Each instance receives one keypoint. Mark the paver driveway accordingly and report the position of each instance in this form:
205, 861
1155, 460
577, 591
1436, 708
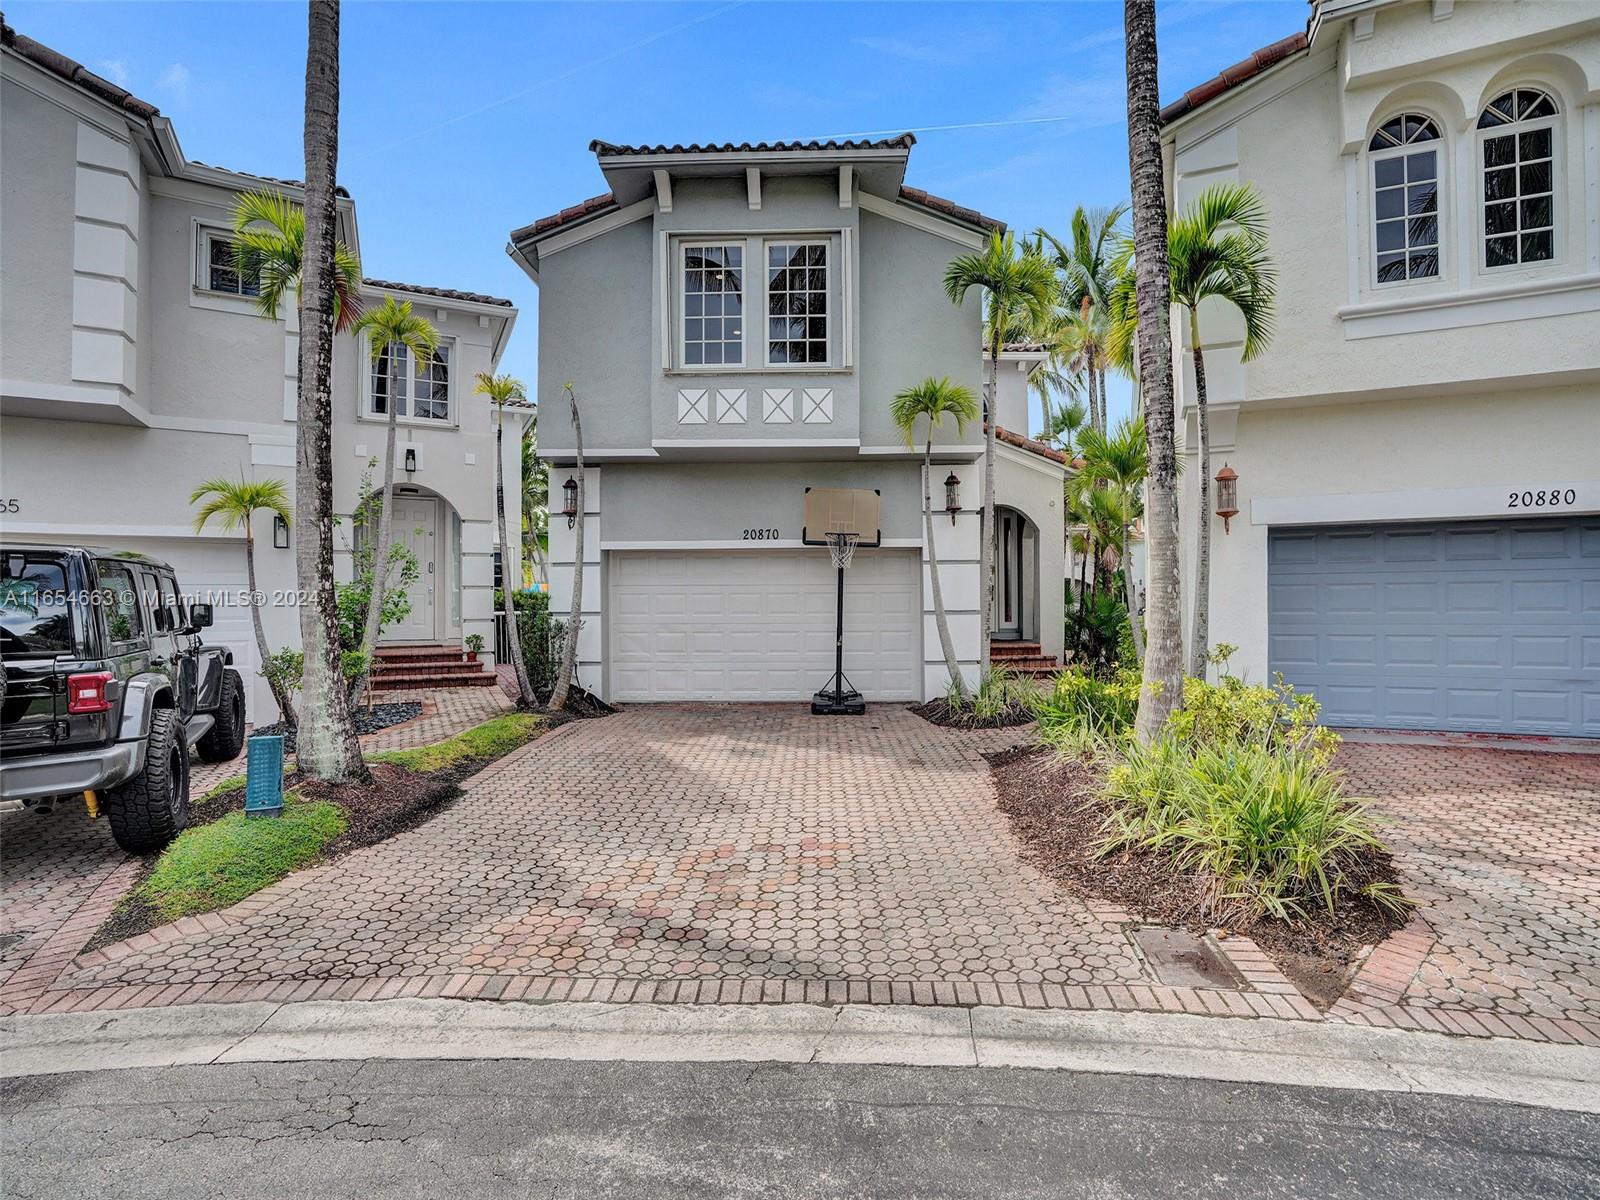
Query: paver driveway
731, 841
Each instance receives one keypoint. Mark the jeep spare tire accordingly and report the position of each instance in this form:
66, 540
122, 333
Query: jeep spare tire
150, 809
223, 741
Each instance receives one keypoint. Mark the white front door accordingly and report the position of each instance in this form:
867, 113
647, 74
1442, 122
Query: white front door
416, 527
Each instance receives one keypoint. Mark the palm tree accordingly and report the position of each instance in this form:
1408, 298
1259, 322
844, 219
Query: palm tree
569, 643
1118, 462
1017, 290
235, 504
535, 501
392, 330
1086, 275
326, 747
935, 399
269, 238
504, 390
1163, 661
1233, 267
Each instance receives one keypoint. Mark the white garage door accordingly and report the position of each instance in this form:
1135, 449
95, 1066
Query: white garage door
759, 624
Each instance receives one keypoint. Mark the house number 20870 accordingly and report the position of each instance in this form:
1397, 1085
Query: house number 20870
760, 535
1541, 499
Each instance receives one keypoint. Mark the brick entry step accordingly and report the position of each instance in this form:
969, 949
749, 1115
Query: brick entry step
404, 668
1022, 658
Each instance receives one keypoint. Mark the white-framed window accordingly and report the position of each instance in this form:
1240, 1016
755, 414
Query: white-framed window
797, 302
713, 304
1516, 144
1405, 154
423, 393
219, 271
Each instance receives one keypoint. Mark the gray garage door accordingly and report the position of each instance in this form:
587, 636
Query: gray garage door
1473, 626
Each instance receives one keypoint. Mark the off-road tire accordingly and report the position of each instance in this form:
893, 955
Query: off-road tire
151, 809
223, 741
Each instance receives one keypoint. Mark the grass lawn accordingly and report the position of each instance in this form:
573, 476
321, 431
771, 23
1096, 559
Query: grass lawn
492, 739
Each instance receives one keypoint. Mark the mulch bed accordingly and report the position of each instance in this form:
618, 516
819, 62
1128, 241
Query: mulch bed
942, 712
367, 720
1055, 808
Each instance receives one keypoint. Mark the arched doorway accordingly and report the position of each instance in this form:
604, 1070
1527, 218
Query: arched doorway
1016, 593
429, 527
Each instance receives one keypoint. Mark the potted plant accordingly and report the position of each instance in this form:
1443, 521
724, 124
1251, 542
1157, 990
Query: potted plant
475, 646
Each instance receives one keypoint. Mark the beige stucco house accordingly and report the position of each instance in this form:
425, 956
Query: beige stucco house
735, 321
1418, 452
135, 365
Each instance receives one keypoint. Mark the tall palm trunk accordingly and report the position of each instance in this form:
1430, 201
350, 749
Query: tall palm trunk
1094, 401
986, 546
939, 619
1200, 633
1105, 417
380, 559
326, 746
279, 696
1163, 662
525, 695
569, 645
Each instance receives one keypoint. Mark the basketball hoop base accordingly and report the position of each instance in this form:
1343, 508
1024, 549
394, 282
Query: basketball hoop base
838, 704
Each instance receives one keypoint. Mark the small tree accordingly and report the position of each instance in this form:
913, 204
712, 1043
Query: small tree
1016, 287
535, 502
1118, 462
234, 504
569, 643
504, 390
393, 330
269, 245
933, 400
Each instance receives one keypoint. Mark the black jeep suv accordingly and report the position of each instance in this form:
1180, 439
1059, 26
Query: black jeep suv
107, 687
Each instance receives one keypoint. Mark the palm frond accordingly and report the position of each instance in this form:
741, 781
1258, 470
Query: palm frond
933, 399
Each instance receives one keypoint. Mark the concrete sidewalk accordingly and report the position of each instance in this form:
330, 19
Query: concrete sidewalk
1181, 1046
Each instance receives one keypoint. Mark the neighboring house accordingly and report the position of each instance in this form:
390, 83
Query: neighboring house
1418, 452
135, 365
735, 321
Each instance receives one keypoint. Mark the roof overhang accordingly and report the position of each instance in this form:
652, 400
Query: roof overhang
879, 170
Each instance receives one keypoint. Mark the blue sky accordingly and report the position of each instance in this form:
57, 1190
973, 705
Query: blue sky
462, 121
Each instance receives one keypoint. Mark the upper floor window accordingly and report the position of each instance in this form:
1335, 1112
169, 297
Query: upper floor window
424, 387
713, 305
220, 270
1517, 132
797, 302
1405, 189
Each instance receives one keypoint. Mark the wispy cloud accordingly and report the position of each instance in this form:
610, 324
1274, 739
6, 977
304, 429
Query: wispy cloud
175, 81
115, 70
939, 54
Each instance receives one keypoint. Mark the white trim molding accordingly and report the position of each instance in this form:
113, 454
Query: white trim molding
1430, 504
928, 222
1522, 301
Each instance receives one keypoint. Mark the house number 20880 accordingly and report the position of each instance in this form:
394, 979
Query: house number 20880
1541, 499
760, 535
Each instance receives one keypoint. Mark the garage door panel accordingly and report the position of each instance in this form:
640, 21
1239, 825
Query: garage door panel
1488, 631
759, 624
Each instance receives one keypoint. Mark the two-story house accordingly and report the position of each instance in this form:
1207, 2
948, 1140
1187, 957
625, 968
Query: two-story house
136, 365
735, 322
1417, 537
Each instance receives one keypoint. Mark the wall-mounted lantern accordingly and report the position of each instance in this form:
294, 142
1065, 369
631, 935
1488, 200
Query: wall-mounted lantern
569, 501
280, 533
411, 460
952, 496
1227, 495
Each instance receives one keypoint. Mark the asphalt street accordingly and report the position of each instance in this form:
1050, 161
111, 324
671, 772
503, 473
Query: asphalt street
393, 1128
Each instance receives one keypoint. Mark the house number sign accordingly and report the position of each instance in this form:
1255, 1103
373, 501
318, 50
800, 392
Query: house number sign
761, 535
1542, 498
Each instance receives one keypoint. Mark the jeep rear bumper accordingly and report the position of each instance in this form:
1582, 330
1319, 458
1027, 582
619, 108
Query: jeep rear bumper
29, 778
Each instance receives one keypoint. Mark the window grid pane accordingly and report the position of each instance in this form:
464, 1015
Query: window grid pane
797, 302
1518, 196
222, 271
1406, 211
432, 386
713, 305
380, 383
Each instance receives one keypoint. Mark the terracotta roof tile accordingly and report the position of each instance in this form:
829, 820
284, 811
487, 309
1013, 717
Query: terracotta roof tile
1249, 68
949, 208
609, 150
1029, 444
442, 293
75, 72
579, 211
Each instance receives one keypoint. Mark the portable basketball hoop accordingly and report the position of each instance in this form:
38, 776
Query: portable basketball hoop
840, 519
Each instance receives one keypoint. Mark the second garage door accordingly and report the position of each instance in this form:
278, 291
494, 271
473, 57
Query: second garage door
758, 624
1489, 626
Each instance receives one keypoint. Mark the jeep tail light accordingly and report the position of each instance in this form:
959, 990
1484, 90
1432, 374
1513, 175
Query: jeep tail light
89, 692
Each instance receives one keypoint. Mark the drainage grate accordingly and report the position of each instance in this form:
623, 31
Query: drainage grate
1182, 959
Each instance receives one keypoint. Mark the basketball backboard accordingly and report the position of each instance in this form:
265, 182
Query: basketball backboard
842, 510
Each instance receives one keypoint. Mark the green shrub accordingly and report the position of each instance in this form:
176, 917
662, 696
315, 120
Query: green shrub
1000, 694
1231, 711
1266, 823
541, 636
1081, 711
1097, 632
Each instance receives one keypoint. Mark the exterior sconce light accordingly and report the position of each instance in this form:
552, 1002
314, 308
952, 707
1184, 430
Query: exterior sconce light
280, 533
1227, 495
411, 460
952, 496
569, 501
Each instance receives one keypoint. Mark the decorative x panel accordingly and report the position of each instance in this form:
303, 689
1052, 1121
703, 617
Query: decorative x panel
692, 406
777, 406
817, 406
730, 407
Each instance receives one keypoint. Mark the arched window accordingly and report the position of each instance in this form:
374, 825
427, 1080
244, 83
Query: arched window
1517, 131
1405, 191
